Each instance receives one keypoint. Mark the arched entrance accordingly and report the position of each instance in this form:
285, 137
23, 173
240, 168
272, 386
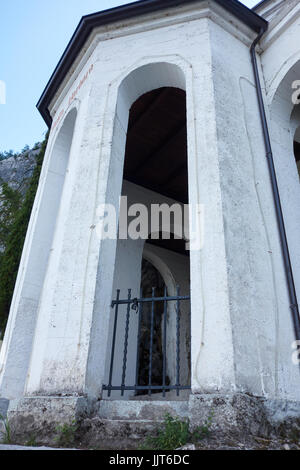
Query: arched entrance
26, 313
151, 348
285, 125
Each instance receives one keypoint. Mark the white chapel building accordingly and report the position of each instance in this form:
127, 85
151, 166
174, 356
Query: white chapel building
186, 102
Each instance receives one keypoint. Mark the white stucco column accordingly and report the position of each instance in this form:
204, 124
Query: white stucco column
62, 336
211, 327
17, 345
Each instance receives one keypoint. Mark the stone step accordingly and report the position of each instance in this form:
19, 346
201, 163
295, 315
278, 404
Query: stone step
141, 410
125, 424
110, 434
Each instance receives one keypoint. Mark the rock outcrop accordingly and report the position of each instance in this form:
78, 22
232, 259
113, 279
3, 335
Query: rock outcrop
17, 171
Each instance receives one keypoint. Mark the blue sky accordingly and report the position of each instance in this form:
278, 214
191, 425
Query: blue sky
33, 36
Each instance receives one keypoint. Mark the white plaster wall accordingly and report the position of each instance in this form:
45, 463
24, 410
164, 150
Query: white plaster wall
261, 320
280, 65
250, 272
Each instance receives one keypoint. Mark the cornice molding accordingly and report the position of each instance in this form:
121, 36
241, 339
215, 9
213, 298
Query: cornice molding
121, 14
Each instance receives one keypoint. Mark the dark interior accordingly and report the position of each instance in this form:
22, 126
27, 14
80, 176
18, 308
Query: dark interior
173, 244
297, 154
156, 150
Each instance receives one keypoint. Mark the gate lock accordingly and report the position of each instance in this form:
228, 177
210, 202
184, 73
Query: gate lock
135, 304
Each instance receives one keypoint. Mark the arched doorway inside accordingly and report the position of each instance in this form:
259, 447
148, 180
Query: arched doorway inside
151, 279
164, 272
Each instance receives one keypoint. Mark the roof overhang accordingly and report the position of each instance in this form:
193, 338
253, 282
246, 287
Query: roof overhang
260, 4
89, 22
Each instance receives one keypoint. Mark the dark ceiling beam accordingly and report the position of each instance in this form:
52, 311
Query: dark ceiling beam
155, 102
172, 244
162, 147
157, 188
174, 174
297, 150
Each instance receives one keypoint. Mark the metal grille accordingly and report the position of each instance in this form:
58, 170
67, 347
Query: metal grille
136, 305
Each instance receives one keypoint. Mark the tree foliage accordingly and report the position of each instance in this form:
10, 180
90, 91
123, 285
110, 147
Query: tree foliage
15, 215
7, 154
10, 153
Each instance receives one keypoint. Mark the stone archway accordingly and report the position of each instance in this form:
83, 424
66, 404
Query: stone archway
15, 360
155, 172
284, 125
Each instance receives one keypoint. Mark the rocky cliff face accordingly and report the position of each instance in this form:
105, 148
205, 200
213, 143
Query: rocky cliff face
16, 171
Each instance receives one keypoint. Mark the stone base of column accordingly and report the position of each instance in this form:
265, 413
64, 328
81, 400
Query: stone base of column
242, 415
46, 418
78, 421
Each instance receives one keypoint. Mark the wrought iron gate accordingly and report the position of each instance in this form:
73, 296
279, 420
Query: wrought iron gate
137, 306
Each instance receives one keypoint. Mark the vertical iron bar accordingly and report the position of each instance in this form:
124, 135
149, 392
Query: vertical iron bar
178, 339
138, 340
126, 343
113, 343
165, 344
151, 341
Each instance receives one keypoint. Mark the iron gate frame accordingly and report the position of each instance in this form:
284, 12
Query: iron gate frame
137, 305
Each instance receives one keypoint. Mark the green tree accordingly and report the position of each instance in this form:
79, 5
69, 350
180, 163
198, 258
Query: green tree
9, 154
